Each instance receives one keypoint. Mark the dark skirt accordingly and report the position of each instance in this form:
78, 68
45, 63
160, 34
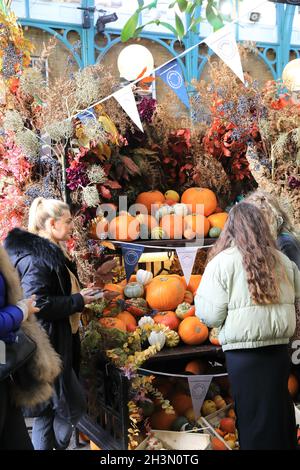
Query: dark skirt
264, 408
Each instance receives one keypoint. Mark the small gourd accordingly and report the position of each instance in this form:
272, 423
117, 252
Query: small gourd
181, 209
144, 277
157, 338
133, 290
145, 321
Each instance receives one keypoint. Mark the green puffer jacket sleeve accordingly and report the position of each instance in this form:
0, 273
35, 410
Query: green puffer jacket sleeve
211, 300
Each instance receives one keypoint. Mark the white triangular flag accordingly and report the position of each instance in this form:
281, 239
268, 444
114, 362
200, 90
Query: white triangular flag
126, 99
223, 43
199, 385
186, 258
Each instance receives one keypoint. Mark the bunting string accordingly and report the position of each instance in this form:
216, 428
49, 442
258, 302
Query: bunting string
168, 248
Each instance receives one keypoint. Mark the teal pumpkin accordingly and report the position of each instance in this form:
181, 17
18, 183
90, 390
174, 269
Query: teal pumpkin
133, 290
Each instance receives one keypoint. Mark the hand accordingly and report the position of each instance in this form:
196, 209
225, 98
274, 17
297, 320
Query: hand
88, 298
30, 303
110, 295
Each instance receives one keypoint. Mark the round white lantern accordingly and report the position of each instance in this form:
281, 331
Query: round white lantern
291, 75
133, 60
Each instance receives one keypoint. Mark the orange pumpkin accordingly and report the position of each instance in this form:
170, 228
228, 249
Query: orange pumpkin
201, 200
110, 322
195, 280
181, 278
162, 420
124, 227
293, 385
165, 293
192, 331
98, 228
218, 220
150, 198
173, 226
196, 367
168, 319
196, 225
188, 297
217, 444
115, 288
181, 402
213, 337
128, 319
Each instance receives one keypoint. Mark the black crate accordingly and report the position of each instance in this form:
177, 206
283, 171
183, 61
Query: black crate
107, 422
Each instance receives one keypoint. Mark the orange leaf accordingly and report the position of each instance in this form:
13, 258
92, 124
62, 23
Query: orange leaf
147, 80
142, 73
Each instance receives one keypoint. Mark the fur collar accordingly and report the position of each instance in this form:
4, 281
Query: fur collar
20, 243
13, 286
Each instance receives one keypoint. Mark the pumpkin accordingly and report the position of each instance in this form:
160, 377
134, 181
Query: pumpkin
165, 293
157, 338
208, 407
162, 211
168, 319
124, 227
181, 279
147, 223
192, 331
227, 425
293, 385
171, 194
162, 420
196, 225
134, 290
180, 209
214, 232
138, 307
217, 444
197, 367
188, 297
219, 401
213, 336
109, 322
194, 282
185, 310
181, 402
115, 288
218, 220
98, 228
128, 319
144, 277
173, 226
200, 200
150, 198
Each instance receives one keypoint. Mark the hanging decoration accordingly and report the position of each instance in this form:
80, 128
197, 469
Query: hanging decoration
172, 75
131, 256
126, 99
187, 256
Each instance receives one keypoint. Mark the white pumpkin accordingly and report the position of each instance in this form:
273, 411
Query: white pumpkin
145, 321
157, 338
180, 209
133, 290
163, 210
144, 277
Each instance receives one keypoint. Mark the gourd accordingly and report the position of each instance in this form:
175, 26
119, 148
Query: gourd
133, 290
145, 321
157, 338
185, 310
144, 277
180, 209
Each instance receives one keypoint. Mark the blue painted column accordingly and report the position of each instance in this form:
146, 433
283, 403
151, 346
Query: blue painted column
88, 37
191, 58
284, 20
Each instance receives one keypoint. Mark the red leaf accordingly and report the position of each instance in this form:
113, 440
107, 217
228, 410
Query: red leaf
113, 184
105, 192
131, 166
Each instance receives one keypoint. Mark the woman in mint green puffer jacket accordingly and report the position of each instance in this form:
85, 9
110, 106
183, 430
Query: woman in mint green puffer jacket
249, 290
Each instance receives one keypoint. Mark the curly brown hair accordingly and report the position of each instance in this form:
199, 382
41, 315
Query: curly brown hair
247, 229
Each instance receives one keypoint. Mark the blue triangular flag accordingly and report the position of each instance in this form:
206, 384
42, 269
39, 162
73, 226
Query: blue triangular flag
131, 255
171, 74
86, 115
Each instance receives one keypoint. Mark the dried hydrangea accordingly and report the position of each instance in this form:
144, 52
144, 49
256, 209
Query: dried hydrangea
93, 130
29, 144
13, 121
96, 174
87, 86
11, 58
90, 196
60, 130
32, 81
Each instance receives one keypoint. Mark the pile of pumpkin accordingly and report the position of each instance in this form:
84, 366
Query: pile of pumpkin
166, 300
165, 216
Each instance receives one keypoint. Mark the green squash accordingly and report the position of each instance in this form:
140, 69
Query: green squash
214, 232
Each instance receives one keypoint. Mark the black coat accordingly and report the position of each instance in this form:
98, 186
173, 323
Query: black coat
42, 268
290, 246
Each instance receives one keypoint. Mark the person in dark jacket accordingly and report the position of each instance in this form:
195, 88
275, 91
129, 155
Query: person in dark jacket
46, 272
13, 312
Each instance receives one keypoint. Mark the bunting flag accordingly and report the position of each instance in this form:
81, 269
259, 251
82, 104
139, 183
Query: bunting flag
171, 74
86, 115
186, 258
199, 385
131, 256
223, 43
126, 99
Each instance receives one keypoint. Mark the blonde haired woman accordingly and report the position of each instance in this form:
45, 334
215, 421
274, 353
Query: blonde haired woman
46, 272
